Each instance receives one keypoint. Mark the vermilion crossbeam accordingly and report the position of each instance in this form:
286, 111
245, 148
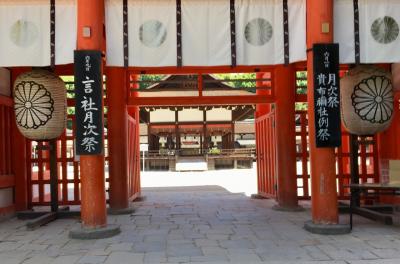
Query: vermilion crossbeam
200, 100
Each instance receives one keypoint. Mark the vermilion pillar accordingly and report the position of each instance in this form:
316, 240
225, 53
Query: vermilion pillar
93, 205
323, 174
284, 88
117, 138
18, 158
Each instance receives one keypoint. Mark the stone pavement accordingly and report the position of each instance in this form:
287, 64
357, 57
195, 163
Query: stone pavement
201, 224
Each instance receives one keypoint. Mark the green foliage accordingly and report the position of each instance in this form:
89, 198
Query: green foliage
214, 151
234, 80
301, 82
148, 80
301, 106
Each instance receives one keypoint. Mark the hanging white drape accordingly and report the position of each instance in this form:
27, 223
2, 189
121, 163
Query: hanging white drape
151, 31
25, 32
379, 31
66, 27
206, 36
344, 30
379, 22
297, 30
259, 32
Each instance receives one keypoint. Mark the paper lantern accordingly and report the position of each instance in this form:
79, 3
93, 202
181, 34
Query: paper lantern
40, 104
366, 100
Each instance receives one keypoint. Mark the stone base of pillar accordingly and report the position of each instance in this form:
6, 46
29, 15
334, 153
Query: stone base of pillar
123, 211
258, 196
325, 229
140, 198
280, 208
95, 233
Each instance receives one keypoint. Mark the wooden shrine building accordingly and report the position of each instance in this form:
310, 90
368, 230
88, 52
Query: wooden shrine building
205, 135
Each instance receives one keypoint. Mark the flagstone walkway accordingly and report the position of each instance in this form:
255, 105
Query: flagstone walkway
201, 224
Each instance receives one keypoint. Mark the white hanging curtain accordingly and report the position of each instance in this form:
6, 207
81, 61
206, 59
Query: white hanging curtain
151, 31
66, 27
379, 31
206, 32
297, 30
259, 32
379, 22
344, 30
206, 37
114, 33
25, 31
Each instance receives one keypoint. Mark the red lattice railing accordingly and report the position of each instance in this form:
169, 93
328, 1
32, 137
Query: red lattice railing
266, 154
368, 160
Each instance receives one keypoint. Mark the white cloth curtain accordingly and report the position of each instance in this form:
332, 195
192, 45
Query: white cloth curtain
297, 30
25, 31
66, 31
379, 31
152, 32
344, 30
206, 39
259, 32
379, 22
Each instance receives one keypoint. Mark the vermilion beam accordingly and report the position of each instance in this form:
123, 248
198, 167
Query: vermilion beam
200, 100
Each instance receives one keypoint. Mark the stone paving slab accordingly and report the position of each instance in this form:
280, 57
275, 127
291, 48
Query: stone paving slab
202, 225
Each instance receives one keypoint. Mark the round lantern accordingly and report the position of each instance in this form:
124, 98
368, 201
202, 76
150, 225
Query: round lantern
366, 95
40, 104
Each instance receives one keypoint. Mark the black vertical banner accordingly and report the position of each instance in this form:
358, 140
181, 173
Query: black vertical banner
327, 95
88, 102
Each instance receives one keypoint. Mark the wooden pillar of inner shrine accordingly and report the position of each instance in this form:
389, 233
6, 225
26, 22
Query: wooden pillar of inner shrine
285, 127
324, 202
118, 140
93, 199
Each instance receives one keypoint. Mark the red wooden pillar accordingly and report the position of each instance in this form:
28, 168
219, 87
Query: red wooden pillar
93, 206
285, 127
19, 159
118, 138
323, 174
